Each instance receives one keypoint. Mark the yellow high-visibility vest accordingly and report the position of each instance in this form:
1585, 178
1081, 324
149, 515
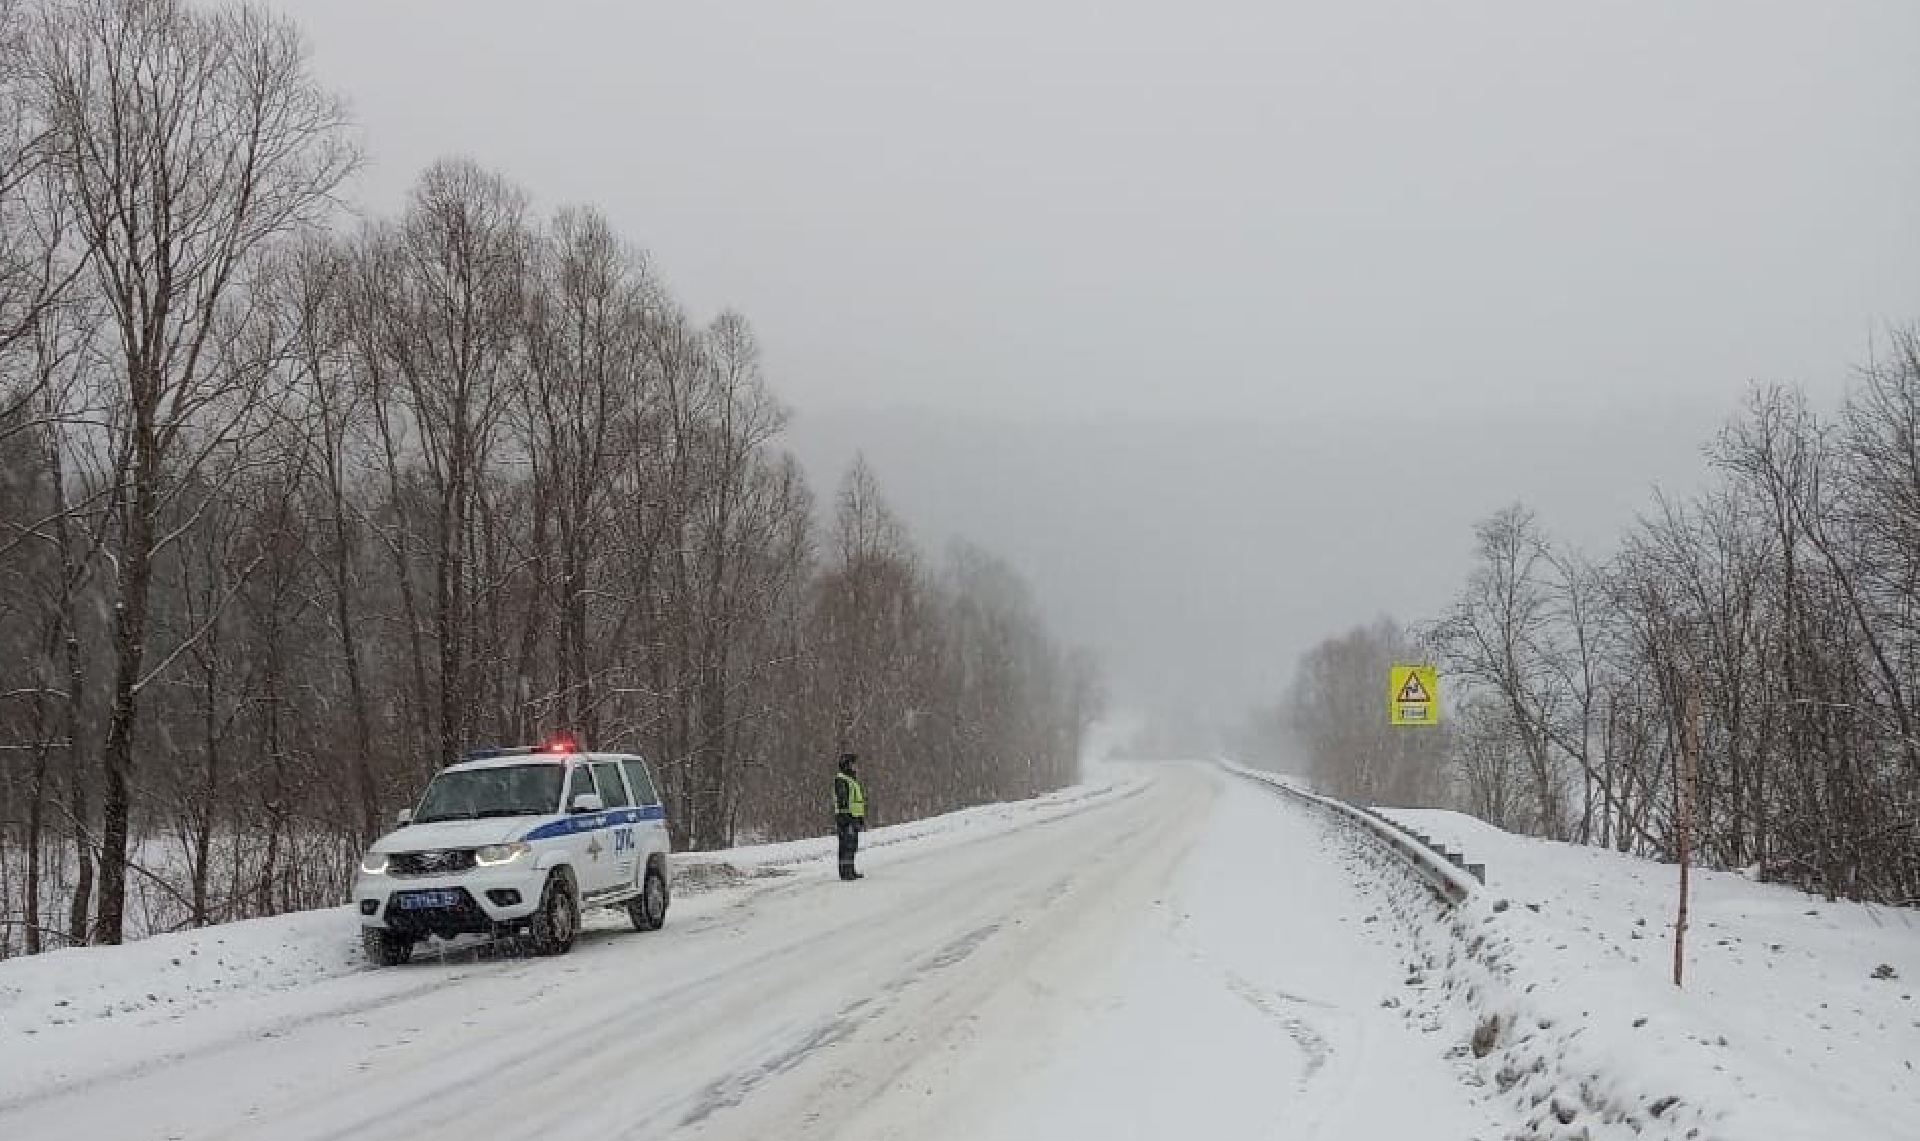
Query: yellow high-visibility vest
856, 797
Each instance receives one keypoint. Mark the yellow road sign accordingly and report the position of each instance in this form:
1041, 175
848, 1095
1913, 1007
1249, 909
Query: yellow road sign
1413, 695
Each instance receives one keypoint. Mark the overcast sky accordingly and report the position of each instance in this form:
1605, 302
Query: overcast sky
1223, 319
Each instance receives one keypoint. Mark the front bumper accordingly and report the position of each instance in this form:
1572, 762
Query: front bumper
476, 902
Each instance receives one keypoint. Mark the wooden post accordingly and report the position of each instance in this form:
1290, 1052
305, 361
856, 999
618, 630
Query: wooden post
1686, 775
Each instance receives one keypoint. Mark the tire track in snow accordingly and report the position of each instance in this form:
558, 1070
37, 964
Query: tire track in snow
1278, 1006
948, 1001
1272, 1003
730, 1091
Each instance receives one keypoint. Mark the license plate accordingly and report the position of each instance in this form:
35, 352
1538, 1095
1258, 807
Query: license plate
418, 900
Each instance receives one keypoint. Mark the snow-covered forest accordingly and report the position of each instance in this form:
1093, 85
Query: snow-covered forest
297, 504
1771, 620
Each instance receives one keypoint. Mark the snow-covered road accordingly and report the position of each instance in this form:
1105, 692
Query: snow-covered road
1194, 958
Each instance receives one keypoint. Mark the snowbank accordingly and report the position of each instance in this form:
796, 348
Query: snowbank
176, 972
1555, 982
934, 831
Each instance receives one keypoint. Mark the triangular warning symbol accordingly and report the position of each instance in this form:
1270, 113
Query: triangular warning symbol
1413, 693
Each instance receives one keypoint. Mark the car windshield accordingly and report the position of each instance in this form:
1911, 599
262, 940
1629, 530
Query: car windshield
472, 794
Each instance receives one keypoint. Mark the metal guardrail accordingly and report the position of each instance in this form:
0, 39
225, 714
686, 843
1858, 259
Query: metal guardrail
1447, 873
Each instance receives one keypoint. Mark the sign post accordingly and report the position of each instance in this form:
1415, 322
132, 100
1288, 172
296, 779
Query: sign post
1413, 695
1686, 776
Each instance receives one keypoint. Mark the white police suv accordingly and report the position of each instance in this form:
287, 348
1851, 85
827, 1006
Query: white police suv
517, 842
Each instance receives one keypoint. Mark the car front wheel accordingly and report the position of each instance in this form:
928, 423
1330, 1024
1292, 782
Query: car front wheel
385, 948
558, 920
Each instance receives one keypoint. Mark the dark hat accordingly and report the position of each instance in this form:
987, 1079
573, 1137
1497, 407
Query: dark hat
847, 760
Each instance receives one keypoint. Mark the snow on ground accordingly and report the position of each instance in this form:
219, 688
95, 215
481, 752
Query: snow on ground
1180, 954
60, 989
1243, 996
1782, 1031
1170, 951
238, 965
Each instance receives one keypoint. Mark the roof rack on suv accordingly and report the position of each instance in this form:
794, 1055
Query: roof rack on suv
488, 752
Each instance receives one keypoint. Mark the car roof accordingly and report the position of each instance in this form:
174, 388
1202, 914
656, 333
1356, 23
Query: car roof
511, 760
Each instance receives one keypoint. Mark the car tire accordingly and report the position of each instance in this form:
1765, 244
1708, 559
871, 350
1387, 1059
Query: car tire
557, 921
385, 948
648, 910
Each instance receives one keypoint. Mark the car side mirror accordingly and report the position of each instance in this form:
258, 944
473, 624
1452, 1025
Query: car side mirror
403, 817
588, 802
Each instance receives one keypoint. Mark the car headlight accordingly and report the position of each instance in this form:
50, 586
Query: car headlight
374, 863
494, 855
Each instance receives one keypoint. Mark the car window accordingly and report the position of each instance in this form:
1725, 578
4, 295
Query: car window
642, 784
612, 789
516, 790
581, 784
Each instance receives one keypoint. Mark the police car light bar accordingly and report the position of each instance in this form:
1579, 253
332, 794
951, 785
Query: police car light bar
558, 744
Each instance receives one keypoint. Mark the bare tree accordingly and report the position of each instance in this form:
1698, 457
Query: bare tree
449, 301
303, 516
588, 365
1496, 636
310, 293
187, 141
38, 261
1737, 683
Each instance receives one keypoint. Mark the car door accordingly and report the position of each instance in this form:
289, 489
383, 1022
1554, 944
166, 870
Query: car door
653, 820
623, 837
587, 844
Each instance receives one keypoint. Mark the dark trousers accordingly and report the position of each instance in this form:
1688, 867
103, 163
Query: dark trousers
849, 833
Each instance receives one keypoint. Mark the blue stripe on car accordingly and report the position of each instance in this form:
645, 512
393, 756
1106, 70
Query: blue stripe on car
594, 821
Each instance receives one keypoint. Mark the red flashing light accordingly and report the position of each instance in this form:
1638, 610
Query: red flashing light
562, 743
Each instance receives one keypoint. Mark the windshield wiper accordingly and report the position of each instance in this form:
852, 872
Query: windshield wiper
497, 812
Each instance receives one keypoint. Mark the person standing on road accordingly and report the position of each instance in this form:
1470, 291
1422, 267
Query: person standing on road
849, 813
